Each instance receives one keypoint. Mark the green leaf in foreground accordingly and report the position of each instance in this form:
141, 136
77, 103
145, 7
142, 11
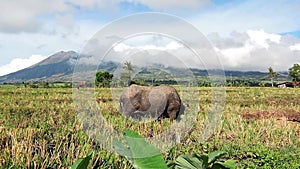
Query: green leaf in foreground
191, 162
142, 154
228, 164
82, 163
214, 156
196, 161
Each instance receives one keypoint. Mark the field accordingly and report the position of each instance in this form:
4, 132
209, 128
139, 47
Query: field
260, 128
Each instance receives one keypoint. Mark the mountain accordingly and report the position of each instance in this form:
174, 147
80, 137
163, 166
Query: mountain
60, 67
55, 66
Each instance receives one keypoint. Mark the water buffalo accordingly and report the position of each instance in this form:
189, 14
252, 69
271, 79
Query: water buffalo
150, 101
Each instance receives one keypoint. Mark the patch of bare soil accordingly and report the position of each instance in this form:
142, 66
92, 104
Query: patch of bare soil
290, 115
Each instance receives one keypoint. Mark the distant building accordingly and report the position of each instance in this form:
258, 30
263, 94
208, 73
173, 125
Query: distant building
288, 84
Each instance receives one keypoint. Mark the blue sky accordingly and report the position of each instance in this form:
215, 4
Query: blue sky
31, 30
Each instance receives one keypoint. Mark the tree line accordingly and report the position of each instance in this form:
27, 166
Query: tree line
294, 73
105, 79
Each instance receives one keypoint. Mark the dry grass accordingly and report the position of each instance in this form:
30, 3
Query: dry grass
39, 128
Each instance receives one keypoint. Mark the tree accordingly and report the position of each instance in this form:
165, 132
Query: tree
26, 84
129, 67
272, 75
103, 79
294, 72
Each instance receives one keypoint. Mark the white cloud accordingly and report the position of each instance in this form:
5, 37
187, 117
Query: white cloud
259, 51
121, 47
276, 17
30, 15
172, 45
295, 47
253, 50
236, 56
262, 38
18, 64
172, 4
96, 4
46, 43
23, 16
233, 57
